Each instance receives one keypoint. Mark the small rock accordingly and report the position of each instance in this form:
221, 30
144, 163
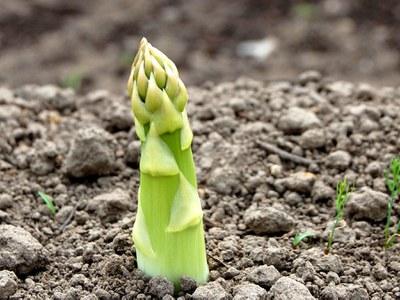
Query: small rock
160, 286
288, 288
91, 153
313, 139
339, 160
367, 204
264, 276
133, 153
327, 263
329, 293
188, 284
374, 169
321, 191
110, 206
6, 201
20, 251
301, 182
249, 291
212, 290
298, 120
8, 284
118, 116
267, 220
277, 257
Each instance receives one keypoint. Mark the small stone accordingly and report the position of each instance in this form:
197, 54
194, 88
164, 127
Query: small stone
8, 284
301, 182
277, 257
6, 201
91, 153
329, 293
313, 139
264, 276
374, 169
267, 220
188, 284
321, 191
288, 288
328, 263
249, 291
133, 153
101, 294
380, 272
297, 120
20, 251
367, 204
212, 290
110, 206
160, 286
340, 160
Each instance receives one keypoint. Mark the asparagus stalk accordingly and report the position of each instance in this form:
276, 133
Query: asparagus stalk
168, 231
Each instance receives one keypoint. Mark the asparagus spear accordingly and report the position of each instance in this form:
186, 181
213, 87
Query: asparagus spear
168, 232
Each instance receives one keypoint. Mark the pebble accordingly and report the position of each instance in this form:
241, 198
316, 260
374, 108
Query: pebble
264, 275
313, 139
301, 182
133, 153
6, 201
8, 284
91, 153
339, 160
20, 251
297, 120
110, 206
212, 290
367, 204
267, 220
160, 286
288, 288
322, 191
247, 291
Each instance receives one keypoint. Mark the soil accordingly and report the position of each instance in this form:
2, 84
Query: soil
90, 44
256, 191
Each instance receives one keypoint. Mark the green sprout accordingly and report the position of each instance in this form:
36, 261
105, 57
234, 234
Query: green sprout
168, 232
73, 81
393, 183
342, 195
301, 236
48, 200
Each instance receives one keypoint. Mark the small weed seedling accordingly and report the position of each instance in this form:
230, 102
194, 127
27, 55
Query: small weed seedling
342, 194
49, 202
301, 236
393, 184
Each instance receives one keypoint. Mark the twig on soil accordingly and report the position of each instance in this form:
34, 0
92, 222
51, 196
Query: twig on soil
68, 220
219, 261
284, 154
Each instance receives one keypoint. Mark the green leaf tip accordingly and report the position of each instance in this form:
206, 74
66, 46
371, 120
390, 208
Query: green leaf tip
49, 202
301, 236
158, 94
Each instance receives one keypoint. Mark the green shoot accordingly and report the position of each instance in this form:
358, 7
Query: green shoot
168, 232
393, 184
73, 81
342, 195
49, 202
301, 236
304, 11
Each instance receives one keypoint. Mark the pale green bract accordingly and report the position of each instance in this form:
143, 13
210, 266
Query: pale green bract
168, 232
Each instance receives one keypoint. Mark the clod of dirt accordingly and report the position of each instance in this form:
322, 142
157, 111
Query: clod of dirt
91, 154
339, 159
110, 206
264, 276
160, 286
247, 291
313, 138
20, 251
367, 204
288, 288
297, 120
322, 191
6, 201
343, 232
133, 153
267, 220
301, 182
8, 284
211, 290
187, 284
